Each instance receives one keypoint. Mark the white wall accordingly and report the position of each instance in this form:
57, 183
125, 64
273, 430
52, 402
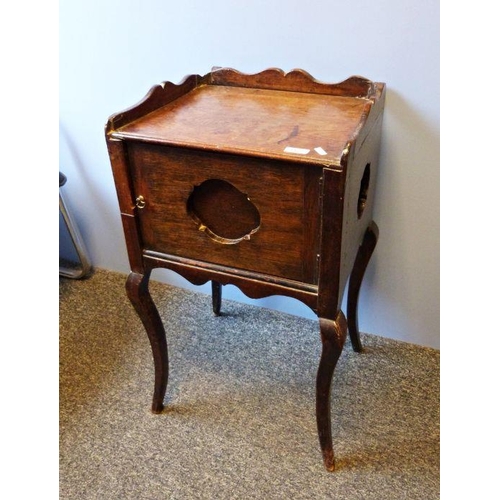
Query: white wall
112, 52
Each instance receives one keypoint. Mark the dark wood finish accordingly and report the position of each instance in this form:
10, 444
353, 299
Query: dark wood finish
254, 122
354, 227
263, 181
167, 176
252, 284
138, 293
360, 264
158, 96
296, 80
333, 335
126, 197
329, 294
216, 297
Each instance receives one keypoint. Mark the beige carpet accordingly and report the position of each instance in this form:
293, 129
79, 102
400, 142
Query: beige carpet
239, 421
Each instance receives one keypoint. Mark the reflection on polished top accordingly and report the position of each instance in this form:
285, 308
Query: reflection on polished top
280, 124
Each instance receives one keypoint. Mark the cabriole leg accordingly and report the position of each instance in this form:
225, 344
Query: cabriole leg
216, 297
138, 293
333, 335
363, 256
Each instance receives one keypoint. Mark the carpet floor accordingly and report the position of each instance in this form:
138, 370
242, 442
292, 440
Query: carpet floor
239, 421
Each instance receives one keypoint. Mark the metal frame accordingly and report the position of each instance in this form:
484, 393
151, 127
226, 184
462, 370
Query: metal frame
85, 266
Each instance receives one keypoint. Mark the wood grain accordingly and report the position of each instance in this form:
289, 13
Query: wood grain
256, 122
166, 178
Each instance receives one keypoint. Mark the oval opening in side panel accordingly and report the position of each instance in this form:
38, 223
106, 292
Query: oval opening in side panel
223, 211
363, 190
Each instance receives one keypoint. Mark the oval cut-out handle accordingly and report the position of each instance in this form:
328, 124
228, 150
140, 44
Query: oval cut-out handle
223, 212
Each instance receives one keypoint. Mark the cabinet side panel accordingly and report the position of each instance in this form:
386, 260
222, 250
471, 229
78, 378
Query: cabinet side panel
124, 188
361, 179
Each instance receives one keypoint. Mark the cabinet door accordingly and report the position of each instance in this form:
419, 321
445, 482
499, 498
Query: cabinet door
248, 213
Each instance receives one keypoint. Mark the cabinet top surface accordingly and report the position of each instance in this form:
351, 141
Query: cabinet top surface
297, 126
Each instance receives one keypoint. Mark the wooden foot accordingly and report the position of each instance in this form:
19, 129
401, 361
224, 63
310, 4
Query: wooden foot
216, 297
333, 335
138, 293
363, 256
